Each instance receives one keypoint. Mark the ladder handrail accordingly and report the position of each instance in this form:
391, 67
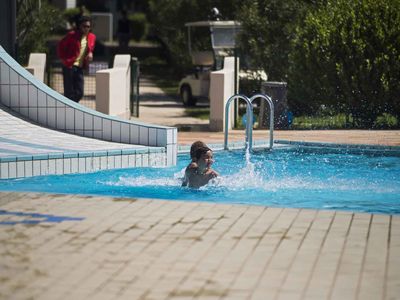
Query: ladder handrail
271, 115
249, 125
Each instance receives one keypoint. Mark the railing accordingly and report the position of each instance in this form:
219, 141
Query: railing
249, 118
271, 115
249, 125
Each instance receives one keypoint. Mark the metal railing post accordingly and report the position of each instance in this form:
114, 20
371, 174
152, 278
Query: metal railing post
271, 115
249, 125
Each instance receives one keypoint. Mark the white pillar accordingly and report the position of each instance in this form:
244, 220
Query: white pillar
37, 65
222, 87
113, 88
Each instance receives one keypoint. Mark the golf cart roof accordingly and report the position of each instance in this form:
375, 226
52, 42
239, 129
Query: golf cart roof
213, 24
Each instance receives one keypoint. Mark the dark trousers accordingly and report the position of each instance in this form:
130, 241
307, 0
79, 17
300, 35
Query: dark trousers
73, 83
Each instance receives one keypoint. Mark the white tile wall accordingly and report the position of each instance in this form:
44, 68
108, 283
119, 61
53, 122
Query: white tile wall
51, 117
106, 129
59, 166
67, 165
143, 135
110, 162
51, 102
96, 163
33, 96
117, 162
88, 122
74, 165
42, 99
52, 166
131, 160
61, 118
4, 170
103, 163
5, 94
14, 77
36, 168
23, 96
134, 132
153, 136
116, 131
138, 162
81, 165
70, 118
125, 135
14, 97
24, 111
78, 120
124, 161
22, 80
33, 113
5, 73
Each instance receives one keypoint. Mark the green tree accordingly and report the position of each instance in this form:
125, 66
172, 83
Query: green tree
36, 21
169, 16
268, 27
347, 56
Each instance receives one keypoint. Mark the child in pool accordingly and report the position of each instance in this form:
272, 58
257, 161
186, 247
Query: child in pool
199, 172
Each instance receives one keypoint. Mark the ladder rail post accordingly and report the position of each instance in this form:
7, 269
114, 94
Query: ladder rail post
271, 115
249, 125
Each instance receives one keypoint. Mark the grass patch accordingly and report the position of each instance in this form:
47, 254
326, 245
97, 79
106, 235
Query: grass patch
321, 122
202, 113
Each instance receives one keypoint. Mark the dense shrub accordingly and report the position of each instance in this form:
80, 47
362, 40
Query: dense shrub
267, 30
139, 26
347, 56
36, 21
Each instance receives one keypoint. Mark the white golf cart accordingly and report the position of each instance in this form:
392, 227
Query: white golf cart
223, 35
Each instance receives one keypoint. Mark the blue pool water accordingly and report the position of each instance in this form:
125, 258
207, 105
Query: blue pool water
280, 178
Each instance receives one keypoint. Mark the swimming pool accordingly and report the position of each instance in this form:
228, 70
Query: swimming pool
290, 177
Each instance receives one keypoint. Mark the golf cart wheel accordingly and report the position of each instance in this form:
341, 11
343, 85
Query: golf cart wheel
186, 95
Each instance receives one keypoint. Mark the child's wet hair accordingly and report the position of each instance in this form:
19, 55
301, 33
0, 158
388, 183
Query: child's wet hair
200, 151
196, 145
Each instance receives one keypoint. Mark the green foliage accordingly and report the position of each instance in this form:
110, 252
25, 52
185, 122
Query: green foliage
70, 14
386, 121
139, 26
169, 16
267, 31
36, 20
338, 121
347, 56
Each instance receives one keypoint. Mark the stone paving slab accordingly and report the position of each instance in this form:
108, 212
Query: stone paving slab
83, 247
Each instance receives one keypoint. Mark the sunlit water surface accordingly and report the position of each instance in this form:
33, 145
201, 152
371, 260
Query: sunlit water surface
281, 178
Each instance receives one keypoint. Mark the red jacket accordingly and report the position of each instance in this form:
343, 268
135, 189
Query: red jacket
69, 47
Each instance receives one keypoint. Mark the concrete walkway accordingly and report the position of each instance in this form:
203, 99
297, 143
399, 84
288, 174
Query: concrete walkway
82, 247
157, 108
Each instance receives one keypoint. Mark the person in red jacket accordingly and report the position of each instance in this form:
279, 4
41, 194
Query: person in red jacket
75, 51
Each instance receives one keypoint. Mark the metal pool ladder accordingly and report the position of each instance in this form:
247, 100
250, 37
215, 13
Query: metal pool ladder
249, 118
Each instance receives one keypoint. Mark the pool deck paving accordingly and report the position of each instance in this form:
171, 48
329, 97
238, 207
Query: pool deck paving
84, 247
90, 247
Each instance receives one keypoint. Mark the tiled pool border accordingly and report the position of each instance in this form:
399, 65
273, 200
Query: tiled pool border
80, 162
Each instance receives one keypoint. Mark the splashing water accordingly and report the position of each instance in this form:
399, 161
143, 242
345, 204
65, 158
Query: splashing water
284, 178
